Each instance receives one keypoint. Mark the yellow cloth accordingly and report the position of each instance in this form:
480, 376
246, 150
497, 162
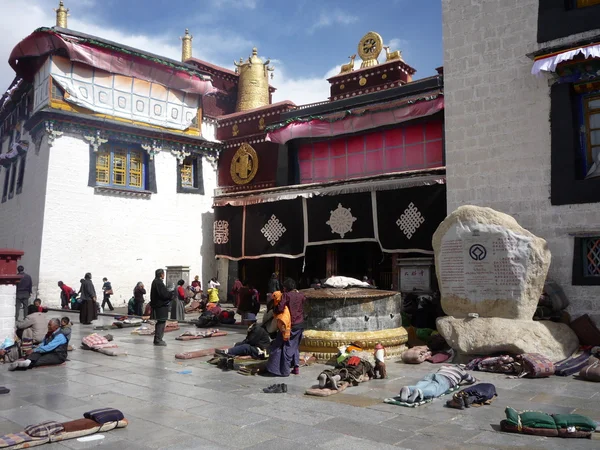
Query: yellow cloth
284, 319
213, 295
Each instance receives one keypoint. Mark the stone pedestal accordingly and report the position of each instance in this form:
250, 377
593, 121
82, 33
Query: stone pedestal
487, 336
8, 282
338, 317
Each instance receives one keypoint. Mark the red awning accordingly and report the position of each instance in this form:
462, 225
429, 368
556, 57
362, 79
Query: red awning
359, 119
28, 56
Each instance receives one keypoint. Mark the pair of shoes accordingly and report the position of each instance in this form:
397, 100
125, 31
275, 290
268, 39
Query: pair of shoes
276, 389
221, 352
296, 370
160, 344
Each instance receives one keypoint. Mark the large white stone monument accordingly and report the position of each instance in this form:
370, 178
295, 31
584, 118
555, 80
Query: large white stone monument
491, 273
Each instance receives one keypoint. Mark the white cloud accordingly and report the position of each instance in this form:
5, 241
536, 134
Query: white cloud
301, 90
241, 4
328, 18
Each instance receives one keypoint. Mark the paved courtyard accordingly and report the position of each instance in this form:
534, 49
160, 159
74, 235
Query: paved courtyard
210, 409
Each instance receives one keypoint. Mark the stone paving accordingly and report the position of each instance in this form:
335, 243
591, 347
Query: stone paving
211, 409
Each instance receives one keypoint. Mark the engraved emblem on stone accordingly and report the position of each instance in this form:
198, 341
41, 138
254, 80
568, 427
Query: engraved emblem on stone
477, 252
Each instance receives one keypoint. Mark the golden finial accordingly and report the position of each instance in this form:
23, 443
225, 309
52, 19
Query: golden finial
186, 46
61, 15
253, 84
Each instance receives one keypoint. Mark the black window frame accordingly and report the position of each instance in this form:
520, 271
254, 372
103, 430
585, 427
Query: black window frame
198, 177
558, 19
5, 183
578, 276
565, 187
21, 173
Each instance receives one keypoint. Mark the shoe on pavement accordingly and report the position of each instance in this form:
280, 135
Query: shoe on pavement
160, 344
274, 389
296, 370
221, 352
284, 388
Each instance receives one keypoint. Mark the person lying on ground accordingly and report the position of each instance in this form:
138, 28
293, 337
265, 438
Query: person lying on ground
256, 344
33, 326
436, 384
53, 350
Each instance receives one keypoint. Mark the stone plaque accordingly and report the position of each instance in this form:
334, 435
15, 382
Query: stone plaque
483, 262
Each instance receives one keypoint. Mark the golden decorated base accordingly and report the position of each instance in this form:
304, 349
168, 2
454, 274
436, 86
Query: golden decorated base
324, 344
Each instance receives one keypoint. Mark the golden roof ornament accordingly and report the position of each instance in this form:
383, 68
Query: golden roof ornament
186, 46
392, 56
348, 67
369, 48
253, 84
61, 15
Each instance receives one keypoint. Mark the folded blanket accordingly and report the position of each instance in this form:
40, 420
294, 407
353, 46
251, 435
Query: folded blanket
542, 424
104, 415
572, 365
476, 395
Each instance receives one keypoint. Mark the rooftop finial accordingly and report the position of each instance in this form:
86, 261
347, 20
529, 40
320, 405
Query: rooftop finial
186, 46
61, 15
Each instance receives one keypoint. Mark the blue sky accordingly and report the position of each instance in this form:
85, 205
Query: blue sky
307, 39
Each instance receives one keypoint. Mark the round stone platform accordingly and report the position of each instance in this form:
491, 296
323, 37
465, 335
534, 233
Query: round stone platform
338, 317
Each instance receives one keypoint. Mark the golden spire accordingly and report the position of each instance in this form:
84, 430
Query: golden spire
186, 46
61, 15
253, 84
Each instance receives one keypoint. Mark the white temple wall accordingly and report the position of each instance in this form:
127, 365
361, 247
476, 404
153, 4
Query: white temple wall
498, 130
122, 238
22, 216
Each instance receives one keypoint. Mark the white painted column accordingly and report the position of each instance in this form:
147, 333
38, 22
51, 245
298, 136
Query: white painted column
7, 311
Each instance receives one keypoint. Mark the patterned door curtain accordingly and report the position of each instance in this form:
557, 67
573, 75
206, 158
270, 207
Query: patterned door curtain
400, 220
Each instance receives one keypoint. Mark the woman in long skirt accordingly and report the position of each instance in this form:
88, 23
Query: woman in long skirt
284, 356
178, 305
88, 310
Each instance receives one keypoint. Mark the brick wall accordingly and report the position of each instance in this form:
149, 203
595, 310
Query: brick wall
498, 131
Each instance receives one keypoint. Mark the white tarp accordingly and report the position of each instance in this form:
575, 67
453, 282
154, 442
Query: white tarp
345, 282
124, 97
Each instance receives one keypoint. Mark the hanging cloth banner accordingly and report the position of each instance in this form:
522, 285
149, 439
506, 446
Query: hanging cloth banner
548, 63
228, 232
340, 218
407, 218
274, 229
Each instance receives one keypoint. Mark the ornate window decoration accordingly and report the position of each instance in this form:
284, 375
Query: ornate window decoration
586, 261
189, 175
121, 166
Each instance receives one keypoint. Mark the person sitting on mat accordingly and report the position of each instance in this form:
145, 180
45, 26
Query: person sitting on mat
256, 344
53, 350
436, 384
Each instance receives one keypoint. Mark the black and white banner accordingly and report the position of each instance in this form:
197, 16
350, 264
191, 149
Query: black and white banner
407, 218
400, 220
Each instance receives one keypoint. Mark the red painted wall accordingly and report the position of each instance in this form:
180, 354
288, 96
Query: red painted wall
408, 147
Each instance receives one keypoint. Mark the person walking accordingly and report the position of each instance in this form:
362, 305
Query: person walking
108, 291
24, 289
88, 310
138, 295
160, 299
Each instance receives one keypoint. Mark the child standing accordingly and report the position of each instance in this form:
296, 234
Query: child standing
65, 326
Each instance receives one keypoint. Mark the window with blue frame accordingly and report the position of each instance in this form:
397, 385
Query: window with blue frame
589, 130
121, 166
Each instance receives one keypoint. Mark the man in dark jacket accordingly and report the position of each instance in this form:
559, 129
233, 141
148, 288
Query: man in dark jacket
273, 286
24, 289
256, 344
160, 298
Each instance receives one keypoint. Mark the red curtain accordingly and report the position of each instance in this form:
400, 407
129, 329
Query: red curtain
408, 147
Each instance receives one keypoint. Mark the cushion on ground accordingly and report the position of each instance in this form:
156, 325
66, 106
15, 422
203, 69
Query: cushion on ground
509, 427
326, 392
104, 415
578, 421
20, 440
564, 433
79, 425
531, 419
398, 402
590, 372
44, 429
